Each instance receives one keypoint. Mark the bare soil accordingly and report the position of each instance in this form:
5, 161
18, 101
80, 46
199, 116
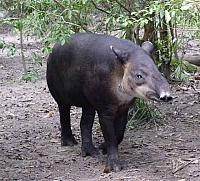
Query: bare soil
30, 137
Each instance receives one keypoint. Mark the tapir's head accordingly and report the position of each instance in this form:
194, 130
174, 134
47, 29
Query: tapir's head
141, 77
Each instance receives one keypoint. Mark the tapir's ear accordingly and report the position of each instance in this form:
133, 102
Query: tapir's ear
148, 47
121, 55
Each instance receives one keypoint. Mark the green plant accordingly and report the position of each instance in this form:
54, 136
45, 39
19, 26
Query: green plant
9, 47
2, 44
181, 70
52, 21
142, 112
31, 76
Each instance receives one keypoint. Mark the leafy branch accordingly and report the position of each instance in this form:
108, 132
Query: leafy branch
77, 19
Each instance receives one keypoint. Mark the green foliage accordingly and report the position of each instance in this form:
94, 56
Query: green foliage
37, 59
142, 112
33, 73
2, 44
189, 15
31, 76
10, 48
181, 70
53, 20
49, 20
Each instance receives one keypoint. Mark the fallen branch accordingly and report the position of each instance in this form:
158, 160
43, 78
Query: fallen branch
182, 166
193, 59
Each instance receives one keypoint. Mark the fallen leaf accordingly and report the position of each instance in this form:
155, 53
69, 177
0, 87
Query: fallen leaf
48, 115
195, 161
197, 78
54, 141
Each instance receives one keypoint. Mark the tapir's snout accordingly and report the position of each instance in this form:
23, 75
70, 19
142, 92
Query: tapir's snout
165, 96
164, 90
159, 97
161, 90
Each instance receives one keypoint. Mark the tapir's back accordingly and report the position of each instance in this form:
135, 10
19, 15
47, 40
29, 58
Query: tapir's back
89, 47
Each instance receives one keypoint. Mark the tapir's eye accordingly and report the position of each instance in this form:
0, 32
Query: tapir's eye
139, 76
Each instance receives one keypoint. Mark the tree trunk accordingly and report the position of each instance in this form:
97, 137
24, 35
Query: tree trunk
148, 31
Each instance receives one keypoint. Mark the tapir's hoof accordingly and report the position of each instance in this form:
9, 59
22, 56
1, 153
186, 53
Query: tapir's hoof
113, 166
89, 151
68, 141
103, 148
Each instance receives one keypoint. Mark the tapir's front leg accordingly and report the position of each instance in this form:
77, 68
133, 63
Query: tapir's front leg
119, 126
106, 118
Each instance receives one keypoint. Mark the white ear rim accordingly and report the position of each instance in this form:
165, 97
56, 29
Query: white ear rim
148, 47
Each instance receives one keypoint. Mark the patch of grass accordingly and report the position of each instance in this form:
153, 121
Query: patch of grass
11, 47
142, 112
181, 70
31, 76
33, 73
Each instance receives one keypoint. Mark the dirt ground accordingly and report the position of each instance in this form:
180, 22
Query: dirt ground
30, 137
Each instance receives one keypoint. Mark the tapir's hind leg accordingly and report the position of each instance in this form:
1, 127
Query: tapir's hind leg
67, 139
87, 120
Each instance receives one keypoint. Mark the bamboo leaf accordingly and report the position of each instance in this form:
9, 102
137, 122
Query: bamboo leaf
167, 16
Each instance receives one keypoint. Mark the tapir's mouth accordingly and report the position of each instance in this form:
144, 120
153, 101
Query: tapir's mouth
156, 97
153, 96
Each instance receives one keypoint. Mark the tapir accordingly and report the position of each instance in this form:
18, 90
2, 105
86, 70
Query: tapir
103, 74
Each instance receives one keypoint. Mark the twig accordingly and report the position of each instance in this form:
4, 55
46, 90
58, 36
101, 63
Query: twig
124, 7
67, 22
152, 161
60, 4
189, 29
64, 9
9, 19
102, 10
21, 40
182, 166
22, 51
